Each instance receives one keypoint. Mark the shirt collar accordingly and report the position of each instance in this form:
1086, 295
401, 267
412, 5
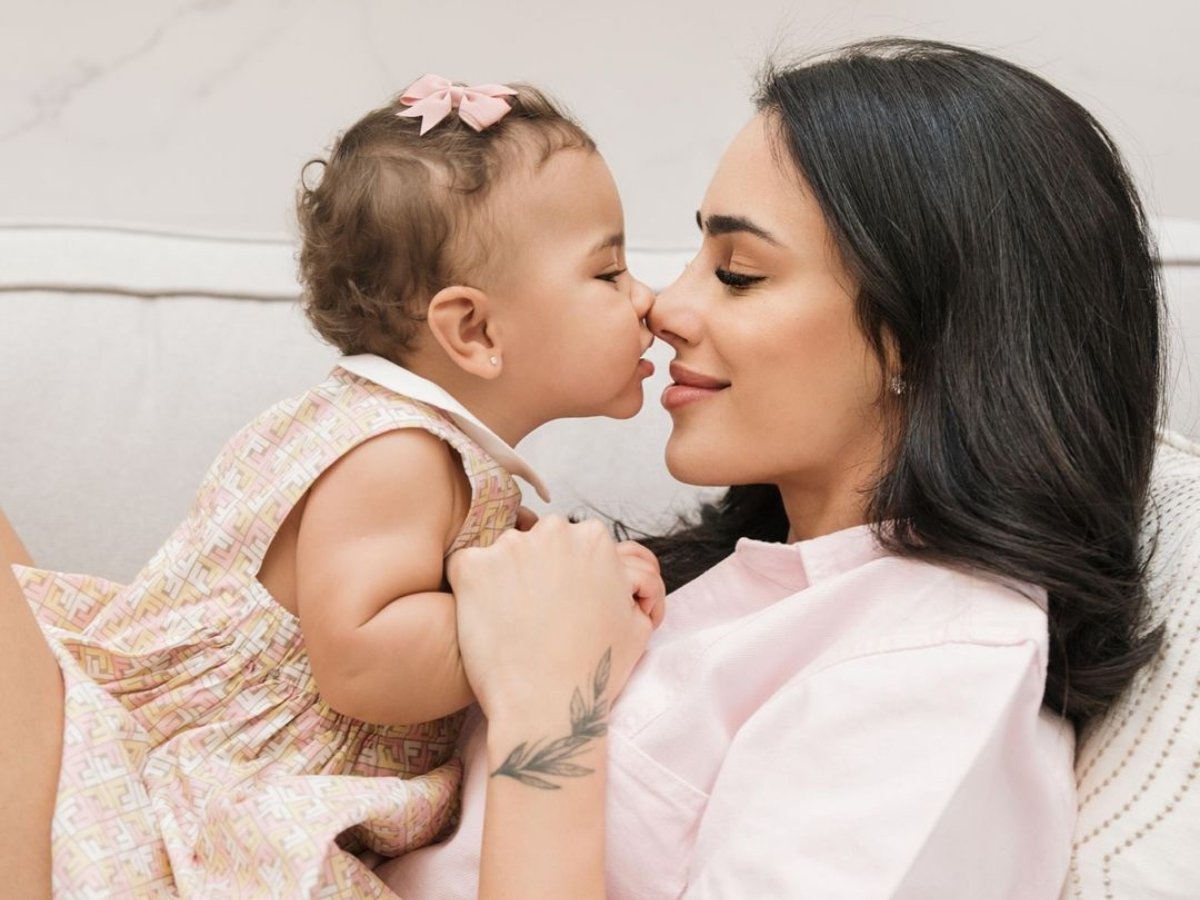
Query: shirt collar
387, 374
804, 563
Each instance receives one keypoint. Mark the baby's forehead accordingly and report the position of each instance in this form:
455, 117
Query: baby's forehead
570, 193
533, 168
563, 213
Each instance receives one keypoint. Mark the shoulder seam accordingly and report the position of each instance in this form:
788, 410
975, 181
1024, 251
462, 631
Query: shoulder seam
999, 638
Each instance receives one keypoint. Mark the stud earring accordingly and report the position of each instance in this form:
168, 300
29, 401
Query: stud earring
897, 385
493, 360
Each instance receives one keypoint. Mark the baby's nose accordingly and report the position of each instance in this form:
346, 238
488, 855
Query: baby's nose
642, 298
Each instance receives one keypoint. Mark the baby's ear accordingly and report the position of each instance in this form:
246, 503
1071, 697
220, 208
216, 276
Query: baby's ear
458, 318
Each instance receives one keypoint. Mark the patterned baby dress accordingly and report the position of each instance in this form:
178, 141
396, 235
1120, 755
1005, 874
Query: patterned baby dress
198, 758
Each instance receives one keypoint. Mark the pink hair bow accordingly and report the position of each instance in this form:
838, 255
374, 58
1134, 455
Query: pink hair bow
432, 97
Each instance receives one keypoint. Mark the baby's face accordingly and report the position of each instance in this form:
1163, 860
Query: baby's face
571, 317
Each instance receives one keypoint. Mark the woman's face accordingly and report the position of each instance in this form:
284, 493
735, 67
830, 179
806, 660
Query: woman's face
773, 381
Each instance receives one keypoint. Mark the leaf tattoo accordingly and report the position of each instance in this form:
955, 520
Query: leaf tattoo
529, 763
600, 680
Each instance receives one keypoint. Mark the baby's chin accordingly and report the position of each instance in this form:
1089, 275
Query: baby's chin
628, 404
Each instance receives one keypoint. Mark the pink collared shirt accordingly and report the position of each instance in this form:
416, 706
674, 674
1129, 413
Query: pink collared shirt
822, 720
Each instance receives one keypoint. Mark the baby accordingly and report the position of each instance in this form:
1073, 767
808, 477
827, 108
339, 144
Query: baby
229, 712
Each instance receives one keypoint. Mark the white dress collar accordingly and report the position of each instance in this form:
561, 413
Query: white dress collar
396, 378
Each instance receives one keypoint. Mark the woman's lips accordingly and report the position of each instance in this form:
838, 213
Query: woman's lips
689, 387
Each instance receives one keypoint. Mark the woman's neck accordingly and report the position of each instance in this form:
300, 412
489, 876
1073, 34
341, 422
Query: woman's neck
809, 522
831, 501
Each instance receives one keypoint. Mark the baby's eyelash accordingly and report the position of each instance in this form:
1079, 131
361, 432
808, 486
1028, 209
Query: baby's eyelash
611, 277
737, 279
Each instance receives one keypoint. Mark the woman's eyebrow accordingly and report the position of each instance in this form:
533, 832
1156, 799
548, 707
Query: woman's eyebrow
718, 225
613, 240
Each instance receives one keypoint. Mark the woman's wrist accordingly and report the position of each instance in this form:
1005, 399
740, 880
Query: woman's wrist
552, 739
544, 827
547, 756
543, 832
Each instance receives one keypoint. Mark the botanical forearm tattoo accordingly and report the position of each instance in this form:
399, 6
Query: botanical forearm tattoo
527, 763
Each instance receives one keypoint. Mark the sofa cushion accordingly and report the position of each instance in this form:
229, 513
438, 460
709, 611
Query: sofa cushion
1138, 830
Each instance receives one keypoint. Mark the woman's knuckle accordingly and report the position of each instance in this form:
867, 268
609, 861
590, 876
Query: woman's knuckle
594, 530
552, 522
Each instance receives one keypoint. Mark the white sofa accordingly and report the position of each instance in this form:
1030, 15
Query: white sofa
128, 357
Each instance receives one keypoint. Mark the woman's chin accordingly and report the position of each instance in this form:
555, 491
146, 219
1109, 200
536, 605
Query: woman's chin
692, 465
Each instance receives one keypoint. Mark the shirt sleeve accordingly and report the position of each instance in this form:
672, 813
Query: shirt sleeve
919, 773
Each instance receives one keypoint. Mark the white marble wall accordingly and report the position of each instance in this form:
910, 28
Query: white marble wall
197, 114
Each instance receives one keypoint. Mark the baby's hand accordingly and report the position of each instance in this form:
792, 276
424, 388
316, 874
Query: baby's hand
645, 581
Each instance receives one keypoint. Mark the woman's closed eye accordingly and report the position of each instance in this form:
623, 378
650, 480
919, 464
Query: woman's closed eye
737, 279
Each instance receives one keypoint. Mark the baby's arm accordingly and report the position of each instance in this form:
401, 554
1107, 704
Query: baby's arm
379, 629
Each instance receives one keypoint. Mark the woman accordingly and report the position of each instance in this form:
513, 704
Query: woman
921, 338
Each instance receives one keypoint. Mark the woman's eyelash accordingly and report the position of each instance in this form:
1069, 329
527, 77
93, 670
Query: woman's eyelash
612, 277
737, 279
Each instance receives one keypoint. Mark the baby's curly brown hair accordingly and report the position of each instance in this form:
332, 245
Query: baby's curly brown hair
396, 216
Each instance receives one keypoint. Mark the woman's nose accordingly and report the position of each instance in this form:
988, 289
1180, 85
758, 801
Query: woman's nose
669, 318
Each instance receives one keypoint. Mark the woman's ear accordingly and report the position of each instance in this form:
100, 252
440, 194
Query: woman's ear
893, 365
460, 320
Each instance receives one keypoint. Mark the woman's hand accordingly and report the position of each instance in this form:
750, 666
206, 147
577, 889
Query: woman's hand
550, 623
641, 566
539, 611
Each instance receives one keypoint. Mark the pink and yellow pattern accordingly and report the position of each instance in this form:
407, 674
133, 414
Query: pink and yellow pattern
199, 759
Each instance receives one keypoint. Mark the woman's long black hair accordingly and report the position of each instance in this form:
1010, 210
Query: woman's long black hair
1001, 250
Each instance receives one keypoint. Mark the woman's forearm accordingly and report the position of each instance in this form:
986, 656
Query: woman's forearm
549, 632
544, 825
